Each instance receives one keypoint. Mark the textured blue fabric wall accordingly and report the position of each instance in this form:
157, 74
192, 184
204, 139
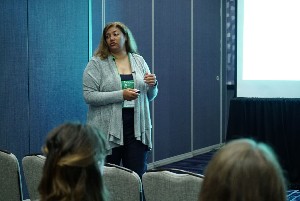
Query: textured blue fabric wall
44, 61
14, 99
207, 73
97, 23
58, 54
44, 50
14, 128
137, 16
173, 66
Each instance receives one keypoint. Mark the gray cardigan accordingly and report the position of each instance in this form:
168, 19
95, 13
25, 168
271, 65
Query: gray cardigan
102, 91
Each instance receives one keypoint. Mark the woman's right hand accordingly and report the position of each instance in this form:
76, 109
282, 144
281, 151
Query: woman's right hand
130, 94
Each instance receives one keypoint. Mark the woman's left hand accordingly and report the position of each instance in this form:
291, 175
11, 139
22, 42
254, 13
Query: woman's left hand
150, 79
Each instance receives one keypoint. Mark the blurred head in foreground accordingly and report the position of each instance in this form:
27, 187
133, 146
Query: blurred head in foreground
75, 155
243, 170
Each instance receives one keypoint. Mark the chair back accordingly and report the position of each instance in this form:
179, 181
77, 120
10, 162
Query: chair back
171, 185
33, 171
122, 184
10, 177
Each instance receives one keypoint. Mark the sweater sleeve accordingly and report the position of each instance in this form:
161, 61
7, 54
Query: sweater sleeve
92, 93
152, 91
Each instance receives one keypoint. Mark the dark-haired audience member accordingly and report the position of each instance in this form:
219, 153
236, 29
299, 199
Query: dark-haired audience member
244, 170
75, 157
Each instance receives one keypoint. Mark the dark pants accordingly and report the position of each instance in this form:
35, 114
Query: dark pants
132, 155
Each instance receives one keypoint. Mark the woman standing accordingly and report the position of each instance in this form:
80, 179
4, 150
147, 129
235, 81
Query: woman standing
117, 86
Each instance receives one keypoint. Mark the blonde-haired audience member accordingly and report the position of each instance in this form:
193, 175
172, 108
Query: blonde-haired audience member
75, 157
244, 170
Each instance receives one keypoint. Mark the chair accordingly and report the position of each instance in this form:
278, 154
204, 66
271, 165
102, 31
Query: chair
10, 177
33, 171
171, 185
123, 184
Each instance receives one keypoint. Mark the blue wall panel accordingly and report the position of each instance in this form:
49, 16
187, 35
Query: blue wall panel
172, 61
137, 15
14, 129
207, 35
58, 54
42, 68
96, 23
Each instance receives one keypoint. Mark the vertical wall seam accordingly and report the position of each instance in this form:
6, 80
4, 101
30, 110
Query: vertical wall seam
28, 76
103, 13
90, 30
221, 71
153, 60
192, 75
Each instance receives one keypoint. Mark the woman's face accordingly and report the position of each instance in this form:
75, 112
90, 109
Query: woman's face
115, 39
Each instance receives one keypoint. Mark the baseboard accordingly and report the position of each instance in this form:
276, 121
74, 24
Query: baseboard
183, 156
207, 149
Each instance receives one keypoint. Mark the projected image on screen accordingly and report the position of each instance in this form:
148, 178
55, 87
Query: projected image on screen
268, 48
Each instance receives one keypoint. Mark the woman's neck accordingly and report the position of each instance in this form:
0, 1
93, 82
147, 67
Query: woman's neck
120, 55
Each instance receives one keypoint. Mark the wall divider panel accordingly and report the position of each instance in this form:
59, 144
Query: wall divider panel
137, 15
96, 21
14, 128
58, 54
207, 73
172, 61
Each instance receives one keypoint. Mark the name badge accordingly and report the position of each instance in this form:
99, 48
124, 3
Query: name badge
128, 104
128, 84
